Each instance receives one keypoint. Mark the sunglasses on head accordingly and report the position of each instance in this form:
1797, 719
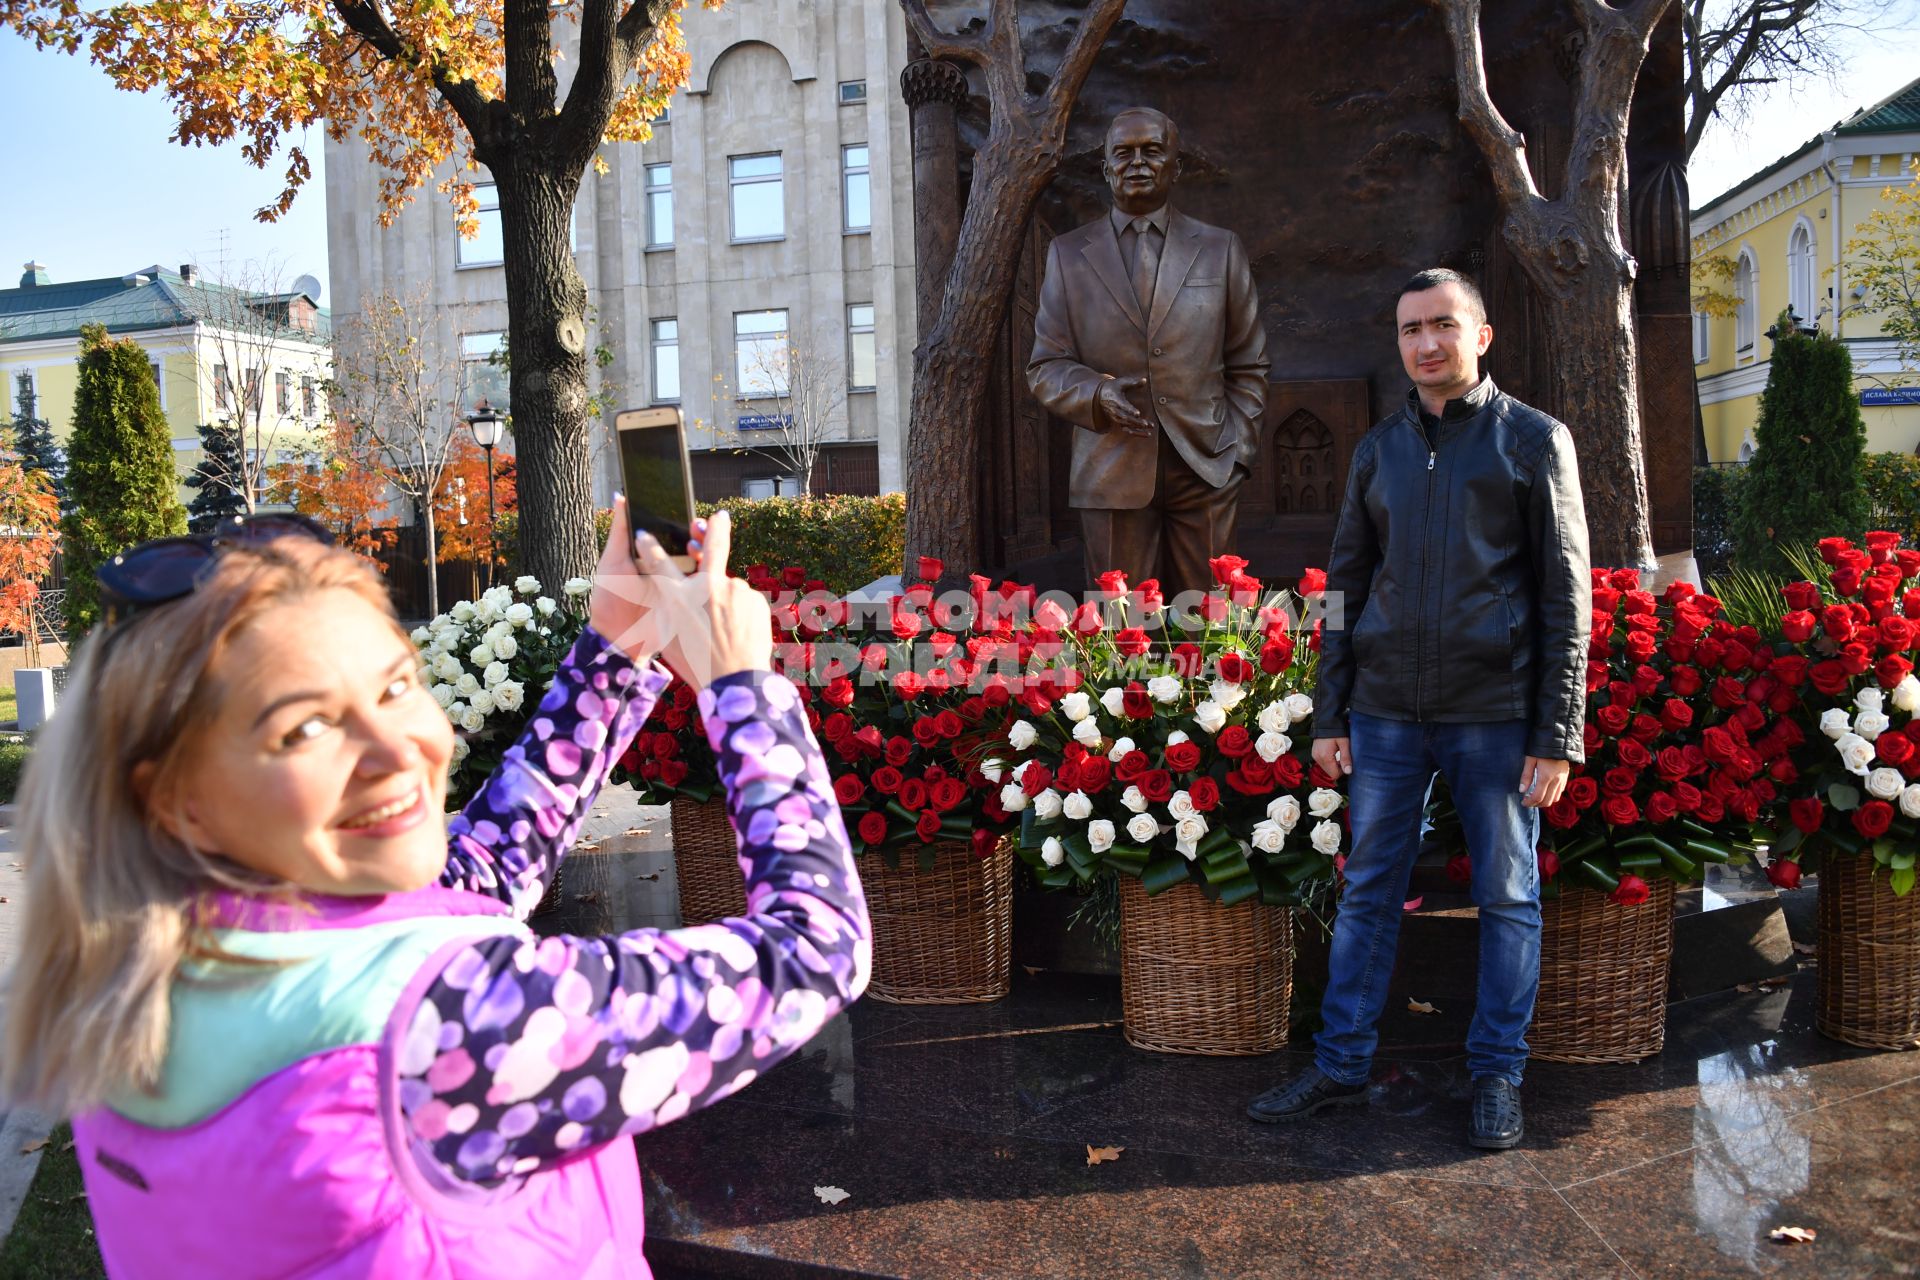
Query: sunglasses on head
166, 569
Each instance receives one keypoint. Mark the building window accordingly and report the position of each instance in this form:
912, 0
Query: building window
488, 247
1702, 337
250, 383
222, 395
759, 197
485, 371
659, 206
1801, 273
862, 360
856, 186
1745, 281
665, 116
283, 392
159, 382
853, 92
760, 354
309, 400
666, 361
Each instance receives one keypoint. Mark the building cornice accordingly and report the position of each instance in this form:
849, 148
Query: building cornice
1803, 163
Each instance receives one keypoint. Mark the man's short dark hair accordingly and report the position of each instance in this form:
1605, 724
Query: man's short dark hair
1434, 277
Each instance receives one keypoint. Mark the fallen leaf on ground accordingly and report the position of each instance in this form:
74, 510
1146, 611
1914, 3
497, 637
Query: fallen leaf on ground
649, 875
1032, 969
1413, 904
637, 831
29, 1148
1780, 981
1744, 986
1793, 1235
1099, 1155
1420, 1006
586, 846
587, 899
830, 1195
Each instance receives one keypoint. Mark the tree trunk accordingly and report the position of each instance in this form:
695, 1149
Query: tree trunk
433, 561
546, 344
953, 364
1586, 282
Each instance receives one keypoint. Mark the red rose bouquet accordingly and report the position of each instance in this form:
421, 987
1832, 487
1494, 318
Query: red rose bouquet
1858, 785
1685, 743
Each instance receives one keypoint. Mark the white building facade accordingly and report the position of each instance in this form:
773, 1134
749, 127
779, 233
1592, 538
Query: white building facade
773, 207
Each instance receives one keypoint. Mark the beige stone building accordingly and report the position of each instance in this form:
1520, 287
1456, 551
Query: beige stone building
772, 210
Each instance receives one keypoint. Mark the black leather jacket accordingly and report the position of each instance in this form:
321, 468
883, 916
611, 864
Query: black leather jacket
1461, 554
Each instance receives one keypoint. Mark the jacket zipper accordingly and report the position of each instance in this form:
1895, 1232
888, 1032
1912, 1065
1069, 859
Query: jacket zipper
1426, 541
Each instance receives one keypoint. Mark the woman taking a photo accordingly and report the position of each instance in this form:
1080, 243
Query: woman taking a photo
295, 1013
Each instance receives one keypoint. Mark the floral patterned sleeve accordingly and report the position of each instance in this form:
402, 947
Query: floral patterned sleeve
511, 835
522, 1051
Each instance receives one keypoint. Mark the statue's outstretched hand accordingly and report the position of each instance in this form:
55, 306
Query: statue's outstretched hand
1114, 409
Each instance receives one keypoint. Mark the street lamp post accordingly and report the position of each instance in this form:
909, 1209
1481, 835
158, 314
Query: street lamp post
488, 424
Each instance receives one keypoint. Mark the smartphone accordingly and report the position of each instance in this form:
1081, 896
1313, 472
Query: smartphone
658, 481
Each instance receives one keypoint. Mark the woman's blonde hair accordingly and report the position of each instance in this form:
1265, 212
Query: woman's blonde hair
112, 895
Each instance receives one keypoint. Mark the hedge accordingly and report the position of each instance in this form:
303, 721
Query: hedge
1892, 481
844, 541
14, 750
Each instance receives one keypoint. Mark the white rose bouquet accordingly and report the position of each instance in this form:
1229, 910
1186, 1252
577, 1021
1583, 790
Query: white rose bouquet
1181, 752
488, 662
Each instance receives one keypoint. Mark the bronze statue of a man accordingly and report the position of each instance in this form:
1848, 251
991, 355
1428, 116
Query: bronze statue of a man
1149, 341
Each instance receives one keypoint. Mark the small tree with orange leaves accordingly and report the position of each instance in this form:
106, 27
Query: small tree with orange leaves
343, 489
433, 90
463, 492
29, 539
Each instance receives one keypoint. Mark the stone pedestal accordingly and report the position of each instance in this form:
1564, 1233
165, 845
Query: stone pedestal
34, 694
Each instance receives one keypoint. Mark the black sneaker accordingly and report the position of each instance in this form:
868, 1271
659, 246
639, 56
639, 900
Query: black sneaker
1496, 1123
1306, 1093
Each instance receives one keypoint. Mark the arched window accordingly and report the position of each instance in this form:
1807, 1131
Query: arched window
1800, 273
1745, 283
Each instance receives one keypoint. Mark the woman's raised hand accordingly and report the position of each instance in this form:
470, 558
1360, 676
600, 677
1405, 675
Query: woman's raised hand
703, 624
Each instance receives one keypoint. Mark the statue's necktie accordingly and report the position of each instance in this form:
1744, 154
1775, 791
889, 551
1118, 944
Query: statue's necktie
1146, 262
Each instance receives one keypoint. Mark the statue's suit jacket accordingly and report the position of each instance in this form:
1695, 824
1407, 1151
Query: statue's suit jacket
1202, 351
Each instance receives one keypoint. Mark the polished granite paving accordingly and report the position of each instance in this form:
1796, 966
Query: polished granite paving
960, 1136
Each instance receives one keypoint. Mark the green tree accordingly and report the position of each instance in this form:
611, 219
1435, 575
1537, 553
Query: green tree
1804, 481
120, 473
34, 443
218, 480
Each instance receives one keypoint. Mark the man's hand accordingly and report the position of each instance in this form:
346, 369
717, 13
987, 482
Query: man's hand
1113, 408
1542, 781
1334, 756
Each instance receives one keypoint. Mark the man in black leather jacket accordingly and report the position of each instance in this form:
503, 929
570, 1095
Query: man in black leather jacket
1461, 556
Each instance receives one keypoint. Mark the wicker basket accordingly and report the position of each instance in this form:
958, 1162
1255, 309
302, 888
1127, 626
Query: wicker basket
706, 861
943, 936
1198, 977
1603, 977
1869, 957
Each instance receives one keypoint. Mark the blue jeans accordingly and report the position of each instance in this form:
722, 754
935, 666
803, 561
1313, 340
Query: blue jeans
1393, 765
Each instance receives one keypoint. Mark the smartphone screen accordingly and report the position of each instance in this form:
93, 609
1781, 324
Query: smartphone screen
653, 466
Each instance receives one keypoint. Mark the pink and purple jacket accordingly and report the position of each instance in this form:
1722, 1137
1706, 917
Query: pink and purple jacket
420, 1087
